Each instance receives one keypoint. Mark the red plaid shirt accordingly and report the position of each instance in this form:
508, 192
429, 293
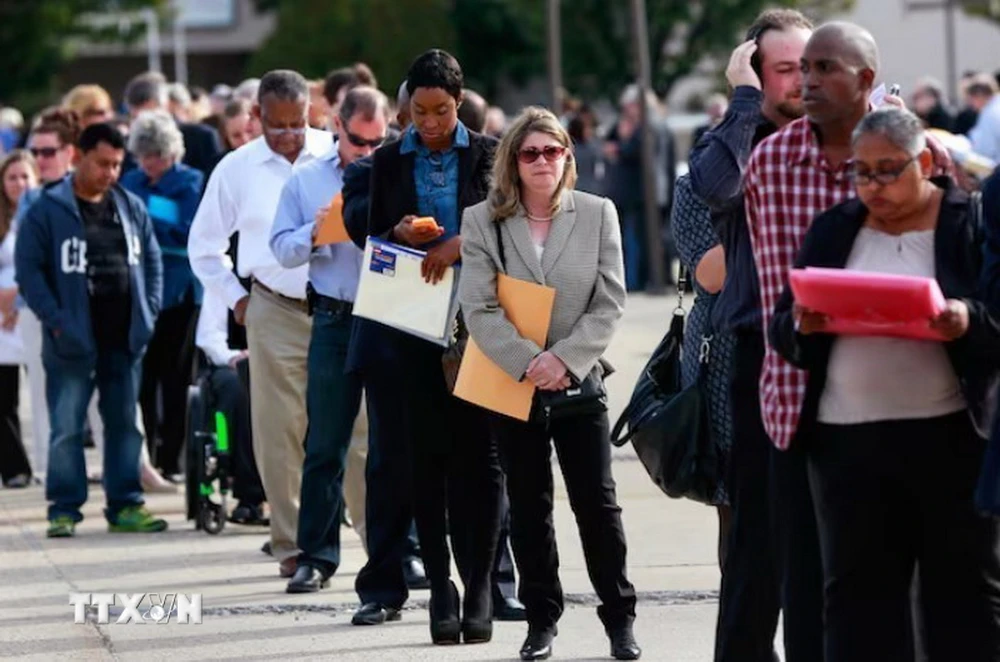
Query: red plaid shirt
789, 182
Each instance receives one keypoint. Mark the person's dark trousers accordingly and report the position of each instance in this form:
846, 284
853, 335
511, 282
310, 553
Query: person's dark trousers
584, 452
889, 495
795, 541
13, 457
504, 577
69, 386
748, 602
333, 398
166, 375
634, 248
389, 513
457, 481
231, 397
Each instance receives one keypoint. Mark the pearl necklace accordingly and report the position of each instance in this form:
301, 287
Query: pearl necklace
539, 220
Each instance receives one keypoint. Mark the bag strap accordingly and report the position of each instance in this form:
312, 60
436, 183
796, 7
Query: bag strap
503, 256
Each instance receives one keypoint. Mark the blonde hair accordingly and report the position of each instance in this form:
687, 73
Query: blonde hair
505, 188
7, 207
85, 97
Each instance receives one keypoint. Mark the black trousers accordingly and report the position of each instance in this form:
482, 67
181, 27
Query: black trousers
890, 496
772, 553
584, 451
504, 577
13, 458
231, 396
166, 374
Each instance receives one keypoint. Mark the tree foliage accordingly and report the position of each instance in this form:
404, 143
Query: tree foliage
35, 37
505, 40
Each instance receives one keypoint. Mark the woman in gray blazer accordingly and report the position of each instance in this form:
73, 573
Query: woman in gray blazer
571, 241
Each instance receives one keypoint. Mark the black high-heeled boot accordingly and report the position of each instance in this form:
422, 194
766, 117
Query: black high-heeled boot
477, 616
446, 628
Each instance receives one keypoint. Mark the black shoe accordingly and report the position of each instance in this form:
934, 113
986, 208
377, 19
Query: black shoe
508, 609
18, 482
307, 579
623, 645
538, 645
446, 629
373, 613
249, 514
414, 573
266, 548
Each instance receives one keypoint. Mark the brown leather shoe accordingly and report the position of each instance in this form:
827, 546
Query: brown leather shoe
287, 567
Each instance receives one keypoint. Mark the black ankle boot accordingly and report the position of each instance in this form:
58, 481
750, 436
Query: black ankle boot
623, 645
538, 645
445, 626
477, 616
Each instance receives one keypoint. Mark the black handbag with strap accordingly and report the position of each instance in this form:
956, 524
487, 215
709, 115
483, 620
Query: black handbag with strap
670, 426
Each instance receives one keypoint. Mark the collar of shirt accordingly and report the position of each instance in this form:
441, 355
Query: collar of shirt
412, 143
316, 145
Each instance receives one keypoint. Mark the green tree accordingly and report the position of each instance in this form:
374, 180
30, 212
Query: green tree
35, 37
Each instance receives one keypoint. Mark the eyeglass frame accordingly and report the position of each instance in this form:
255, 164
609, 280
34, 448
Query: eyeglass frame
358, 141
559, 150
885, 178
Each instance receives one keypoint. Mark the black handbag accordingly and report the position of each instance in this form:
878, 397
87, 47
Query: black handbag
670, 426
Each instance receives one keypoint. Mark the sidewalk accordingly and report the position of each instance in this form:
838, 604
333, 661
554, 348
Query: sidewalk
248, 616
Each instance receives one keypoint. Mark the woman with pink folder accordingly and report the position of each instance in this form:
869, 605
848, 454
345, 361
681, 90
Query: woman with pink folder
897, 426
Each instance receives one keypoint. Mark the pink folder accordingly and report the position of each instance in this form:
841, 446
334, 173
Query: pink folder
862, 303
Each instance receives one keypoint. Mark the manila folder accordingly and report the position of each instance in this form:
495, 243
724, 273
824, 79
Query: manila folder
528, 306
331, 227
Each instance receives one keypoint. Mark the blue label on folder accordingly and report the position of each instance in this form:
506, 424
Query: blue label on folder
383, 262
164, 209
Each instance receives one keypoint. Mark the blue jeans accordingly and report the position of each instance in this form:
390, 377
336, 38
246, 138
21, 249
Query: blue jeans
333, 399
68, 389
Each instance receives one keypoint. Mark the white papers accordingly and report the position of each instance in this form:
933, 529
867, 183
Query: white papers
878, 95
392, 292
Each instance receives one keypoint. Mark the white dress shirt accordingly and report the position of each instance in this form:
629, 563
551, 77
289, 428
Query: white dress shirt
212, 334
242, 196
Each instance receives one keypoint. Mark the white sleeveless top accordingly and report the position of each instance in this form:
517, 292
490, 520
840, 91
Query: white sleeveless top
885, 379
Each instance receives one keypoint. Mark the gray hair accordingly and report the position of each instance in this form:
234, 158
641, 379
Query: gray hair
284, 85
179, 94
155, 132
900, 127
247, 90
144, 88
365, 101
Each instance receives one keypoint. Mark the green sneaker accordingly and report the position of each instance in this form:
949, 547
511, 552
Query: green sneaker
61, 527
136, 519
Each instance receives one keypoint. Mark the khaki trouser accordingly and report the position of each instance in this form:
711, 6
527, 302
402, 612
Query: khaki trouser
278, 336
354, 475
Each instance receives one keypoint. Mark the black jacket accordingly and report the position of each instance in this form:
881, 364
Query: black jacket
958, 262
393, 195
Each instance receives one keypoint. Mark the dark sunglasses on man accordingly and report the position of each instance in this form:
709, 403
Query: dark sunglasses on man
358, 141
44, 152
551, 153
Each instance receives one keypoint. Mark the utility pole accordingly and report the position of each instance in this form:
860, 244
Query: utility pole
152, 39
554, 43
654, 242
950, 52
180, 45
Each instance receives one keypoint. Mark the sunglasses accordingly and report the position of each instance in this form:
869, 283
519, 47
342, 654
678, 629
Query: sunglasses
551, 153
358, 141
44, 152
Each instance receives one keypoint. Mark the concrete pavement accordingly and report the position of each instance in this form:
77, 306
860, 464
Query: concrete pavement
248, 616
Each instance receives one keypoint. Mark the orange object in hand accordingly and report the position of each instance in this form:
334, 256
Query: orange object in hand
425, 223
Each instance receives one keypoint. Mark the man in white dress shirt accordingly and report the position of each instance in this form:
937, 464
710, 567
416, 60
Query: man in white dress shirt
242, 196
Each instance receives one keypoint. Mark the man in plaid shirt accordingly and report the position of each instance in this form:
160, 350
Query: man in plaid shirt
796, 174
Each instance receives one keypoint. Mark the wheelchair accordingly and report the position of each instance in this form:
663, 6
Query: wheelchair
209, 475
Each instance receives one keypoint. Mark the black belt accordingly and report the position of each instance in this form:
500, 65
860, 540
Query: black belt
329, 304
301, 304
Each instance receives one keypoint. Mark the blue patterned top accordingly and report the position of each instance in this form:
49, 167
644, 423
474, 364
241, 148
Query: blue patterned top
436, 177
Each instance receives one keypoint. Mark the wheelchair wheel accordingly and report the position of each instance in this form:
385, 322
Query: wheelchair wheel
194, 454
213, 516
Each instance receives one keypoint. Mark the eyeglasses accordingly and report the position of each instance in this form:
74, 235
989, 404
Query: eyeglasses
887, 172
358, 141
551, 153
285, 131
44, 152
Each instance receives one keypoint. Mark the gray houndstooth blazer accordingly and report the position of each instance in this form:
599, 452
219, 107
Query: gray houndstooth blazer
582, 261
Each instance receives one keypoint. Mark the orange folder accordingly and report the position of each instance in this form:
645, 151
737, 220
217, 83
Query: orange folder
331, 227
528, 306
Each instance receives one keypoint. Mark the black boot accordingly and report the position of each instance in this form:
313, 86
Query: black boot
446, 628
538, 645
477, 615
623, 645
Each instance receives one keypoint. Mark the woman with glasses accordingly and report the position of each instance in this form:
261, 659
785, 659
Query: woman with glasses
438, 168
535, 227
18, 174
898, 426
171, 192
